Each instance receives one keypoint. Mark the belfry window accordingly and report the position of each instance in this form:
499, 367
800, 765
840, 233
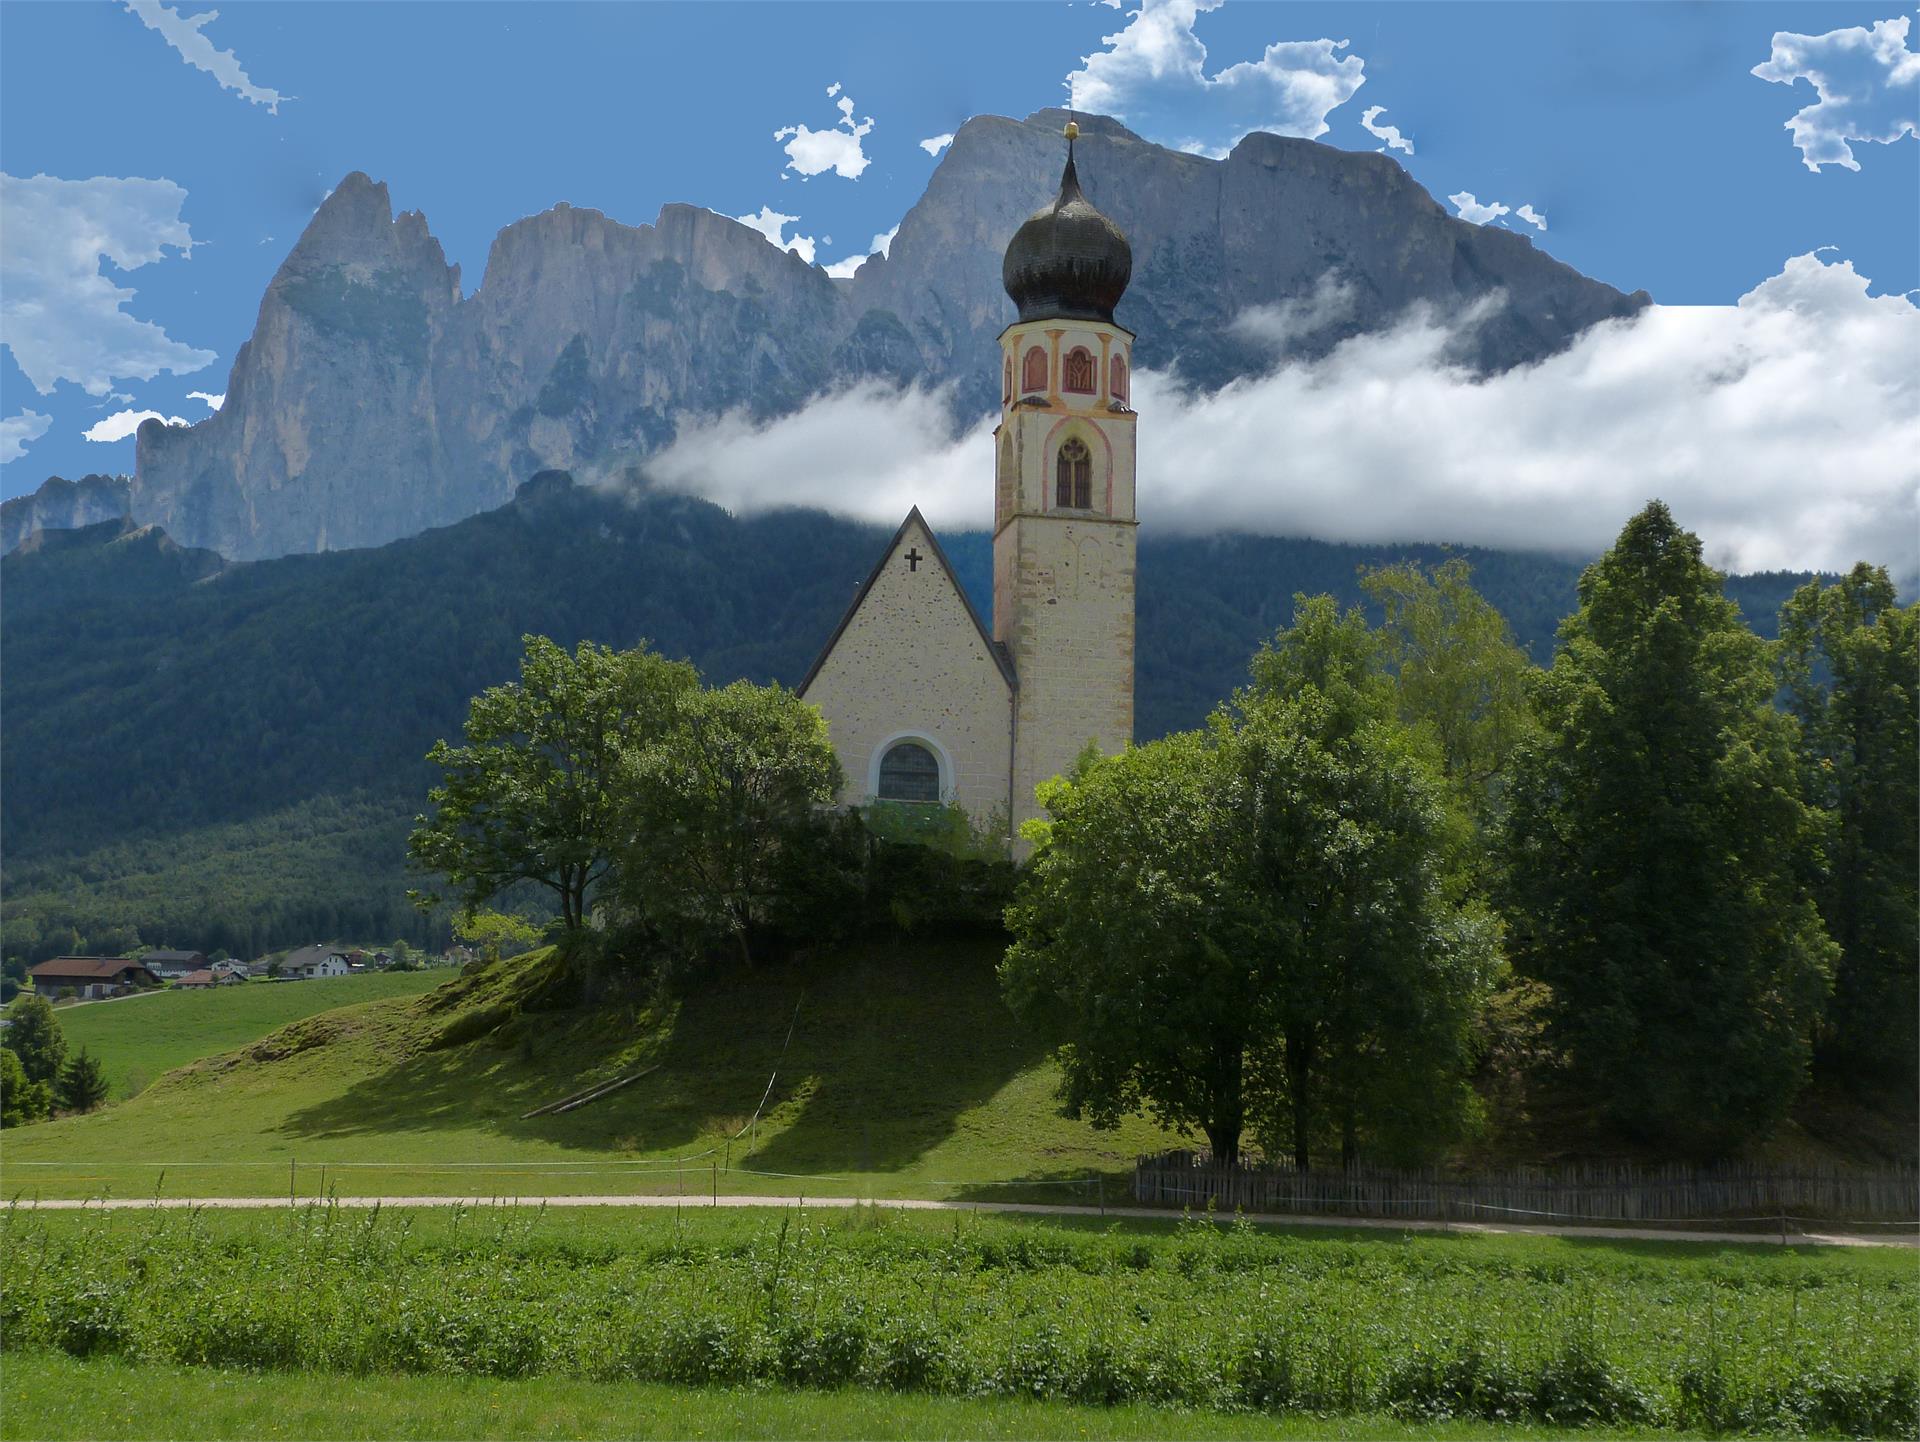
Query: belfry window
909, 772
1076, 373
1073, 476
1033, 376
1118, 388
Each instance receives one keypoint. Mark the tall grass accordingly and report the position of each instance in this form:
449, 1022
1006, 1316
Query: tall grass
1212, 1317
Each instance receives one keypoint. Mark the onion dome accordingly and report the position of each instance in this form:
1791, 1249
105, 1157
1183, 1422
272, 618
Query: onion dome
1067, 261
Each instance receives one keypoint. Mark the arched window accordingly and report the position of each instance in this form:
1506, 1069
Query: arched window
1076, 372
1009, 477
1033, 376
909, 772
1118, 388
1073, 476
1006, 381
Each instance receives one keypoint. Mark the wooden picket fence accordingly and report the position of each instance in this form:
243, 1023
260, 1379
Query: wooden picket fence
1594, 1193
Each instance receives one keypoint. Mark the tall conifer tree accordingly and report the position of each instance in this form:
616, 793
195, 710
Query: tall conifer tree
1850, 657
1656, 845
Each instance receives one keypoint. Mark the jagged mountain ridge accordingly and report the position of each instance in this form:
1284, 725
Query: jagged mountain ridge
375, 400
63, 505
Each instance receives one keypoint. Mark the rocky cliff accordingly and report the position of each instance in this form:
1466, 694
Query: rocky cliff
374, 400
62, 505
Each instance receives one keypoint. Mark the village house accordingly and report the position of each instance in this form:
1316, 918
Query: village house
91, 977
169, 965
210, 977
315, 960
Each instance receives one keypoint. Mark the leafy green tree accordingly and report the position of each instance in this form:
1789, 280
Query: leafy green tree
1457, 673
1850, 658
1656, 843
496, 933
533, 795
21, 1100
83, 1083
35, 1037
1250, 924
722, 827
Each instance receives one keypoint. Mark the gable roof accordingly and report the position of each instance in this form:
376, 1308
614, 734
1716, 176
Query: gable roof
311, 955
994, 648
84, 968
161, 958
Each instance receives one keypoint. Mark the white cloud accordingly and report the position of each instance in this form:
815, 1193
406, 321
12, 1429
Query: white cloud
59, 314
1388, 133
1531, 216
183, 33
811, 152
1782, 429
213, 402
772, 224
17, 431
882, 243
1868, 82
934, 144
1153, 73
1471, 209
121, 424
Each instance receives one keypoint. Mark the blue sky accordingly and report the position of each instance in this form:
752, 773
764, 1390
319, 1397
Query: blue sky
1639, 131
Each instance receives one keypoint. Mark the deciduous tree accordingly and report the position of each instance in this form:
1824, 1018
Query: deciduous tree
1656, 844
533, 793
21, 1100
720, 819
35, 1037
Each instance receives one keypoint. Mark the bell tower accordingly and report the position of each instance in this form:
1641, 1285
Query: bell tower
1064, 527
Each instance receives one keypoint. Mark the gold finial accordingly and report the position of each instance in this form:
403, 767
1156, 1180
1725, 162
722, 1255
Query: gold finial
1073, 131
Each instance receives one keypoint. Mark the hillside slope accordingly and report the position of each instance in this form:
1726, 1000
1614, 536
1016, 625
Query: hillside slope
904, 1073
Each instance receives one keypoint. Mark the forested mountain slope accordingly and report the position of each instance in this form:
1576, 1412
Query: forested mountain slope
228, 754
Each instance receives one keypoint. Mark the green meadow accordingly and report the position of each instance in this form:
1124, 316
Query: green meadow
861, 1320
140, 1038
892, 1068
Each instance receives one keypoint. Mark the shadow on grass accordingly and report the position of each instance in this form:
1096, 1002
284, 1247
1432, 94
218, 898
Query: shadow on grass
892, 1042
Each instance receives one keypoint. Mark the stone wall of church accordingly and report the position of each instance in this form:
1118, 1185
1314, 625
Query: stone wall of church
1072, 637
911, 662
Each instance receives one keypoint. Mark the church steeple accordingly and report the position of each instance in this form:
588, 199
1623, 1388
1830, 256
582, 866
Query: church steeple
1063, 544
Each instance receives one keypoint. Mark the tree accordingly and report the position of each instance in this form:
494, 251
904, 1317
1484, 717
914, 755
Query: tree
1849, 657
1457, 673
1655, 843
496, 933
35, 1037
83, 1083
722, 826
21, 1100
1249, 925
532, 795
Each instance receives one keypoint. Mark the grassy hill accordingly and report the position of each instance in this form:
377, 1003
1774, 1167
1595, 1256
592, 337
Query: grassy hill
903, 1075
141, 1037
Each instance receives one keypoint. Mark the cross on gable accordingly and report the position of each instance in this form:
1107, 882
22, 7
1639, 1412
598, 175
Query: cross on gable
914, 558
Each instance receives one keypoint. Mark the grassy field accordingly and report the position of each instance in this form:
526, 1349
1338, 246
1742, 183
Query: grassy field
857, 1323
893, 1069
140, 1038
56, 1397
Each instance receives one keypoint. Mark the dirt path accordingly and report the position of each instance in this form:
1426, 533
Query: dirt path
1822, 1238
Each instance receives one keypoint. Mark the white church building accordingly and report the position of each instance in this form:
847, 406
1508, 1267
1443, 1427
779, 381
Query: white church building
924, 701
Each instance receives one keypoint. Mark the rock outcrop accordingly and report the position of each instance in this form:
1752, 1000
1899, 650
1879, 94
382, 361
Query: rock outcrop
374, 400
63, 505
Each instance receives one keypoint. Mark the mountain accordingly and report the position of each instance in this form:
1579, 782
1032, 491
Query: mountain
228, 754
63, 505
374, 399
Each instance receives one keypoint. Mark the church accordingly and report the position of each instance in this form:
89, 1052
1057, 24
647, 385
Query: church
924, 701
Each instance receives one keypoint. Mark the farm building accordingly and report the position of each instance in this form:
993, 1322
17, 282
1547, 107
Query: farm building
168, 965
315, 960
209, 977
91, 976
